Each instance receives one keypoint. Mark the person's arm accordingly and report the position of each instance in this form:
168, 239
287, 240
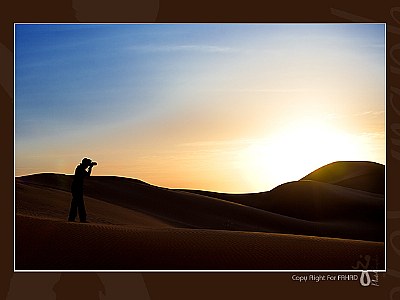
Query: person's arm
89, 171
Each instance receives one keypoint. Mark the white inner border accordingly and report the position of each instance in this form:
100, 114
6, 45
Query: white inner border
203, 271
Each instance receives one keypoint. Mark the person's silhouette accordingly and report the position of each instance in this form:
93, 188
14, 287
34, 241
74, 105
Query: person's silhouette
77, 203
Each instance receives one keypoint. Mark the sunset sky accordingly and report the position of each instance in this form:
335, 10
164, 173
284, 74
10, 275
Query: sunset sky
220, 107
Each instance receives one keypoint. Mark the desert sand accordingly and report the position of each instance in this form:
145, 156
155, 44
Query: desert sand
328, 220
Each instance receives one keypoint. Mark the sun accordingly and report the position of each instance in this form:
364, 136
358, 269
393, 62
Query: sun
295, 151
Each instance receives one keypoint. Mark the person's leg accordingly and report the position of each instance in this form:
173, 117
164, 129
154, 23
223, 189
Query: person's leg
73, 209
81, 209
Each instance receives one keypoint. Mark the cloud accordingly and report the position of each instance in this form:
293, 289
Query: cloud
375, 46
275, 90
370, 113
236, 142
181, 48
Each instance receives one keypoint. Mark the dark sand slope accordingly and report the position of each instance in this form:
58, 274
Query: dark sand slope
47, 244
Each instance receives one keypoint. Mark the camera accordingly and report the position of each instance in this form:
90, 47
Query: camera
94, 163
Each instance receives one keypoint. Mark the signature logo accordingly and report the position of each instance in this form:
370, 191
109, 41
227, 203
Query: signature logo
363, 264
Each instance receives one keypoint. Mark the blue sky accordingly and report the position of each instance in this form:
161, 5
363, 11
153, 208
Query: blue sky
168, 103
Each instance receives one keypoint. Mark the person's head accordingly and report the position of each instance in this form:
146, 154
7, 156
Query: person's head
86, 162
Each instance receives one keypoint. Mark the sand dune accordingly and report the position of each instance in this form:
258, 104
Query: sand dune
361, 175
317, 212
61, 245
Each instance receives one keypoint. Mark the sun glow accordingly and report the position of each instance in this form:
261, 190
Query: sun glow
297, 150
232, 108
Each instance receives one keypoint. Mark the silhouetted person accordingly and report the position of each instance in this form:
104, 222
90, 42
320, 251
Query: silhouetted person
77, 203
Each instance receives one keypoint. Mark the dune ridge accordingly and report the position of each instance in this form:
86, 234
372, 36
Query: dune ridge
362, 175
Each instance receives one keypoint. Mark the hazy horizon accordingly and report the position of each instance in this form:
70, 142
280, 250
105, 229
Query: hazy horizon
221, 107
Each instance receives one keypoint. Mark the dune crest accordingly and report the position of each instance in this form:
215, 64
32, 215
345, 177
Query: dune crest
361, 175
